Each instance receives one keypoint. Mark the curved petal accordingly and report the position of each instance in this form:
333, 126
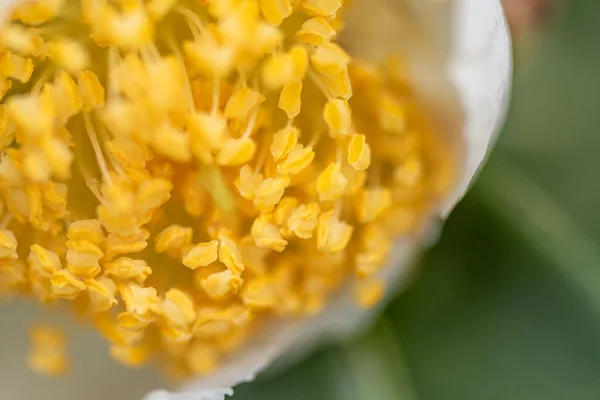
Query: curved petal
481, 70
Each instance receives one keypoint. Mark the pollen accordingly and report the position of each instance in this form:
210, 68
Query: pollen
180, 173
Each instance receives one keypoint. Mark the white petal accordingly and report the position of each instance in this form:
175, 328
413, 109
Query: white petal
481, 69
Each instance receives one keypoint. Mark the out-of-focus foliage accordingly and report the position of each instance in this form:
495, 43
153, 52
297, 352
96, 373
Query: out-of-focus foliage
506, 305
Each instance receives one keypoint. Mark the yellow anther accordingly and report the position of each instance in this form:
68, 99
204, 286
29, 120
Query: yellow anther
375, 248
166, 91
338, 116
66, 96
284, 141
8, 246
202, 358
209, 57
69, 55
35, 206
17, 38
126, 268
220, 284
138, 299
392, 115
130, 29
157, 9
119, 196
242, 102
266, 235
331, 183
113, 332
321, 8
259, 293
43, 261
117, 222
153, 193
65, 285
101, 292
269, 192
236, 151
83, 258
277, 70
248, 182
119, 116
90, 230
12, 278
267, 38
410, 173
38, 12
133, 321
5, 85
11, 173
174, 339
178, 309
359, 153
238, 22
214, 322
48, 353
230, 255
372, 203
207, 129
368, 264
298, 159
290, 99
275, 11
130, 355
174, 239
33, 115
316, 31
90, 90
202, 255
58, 156
368, 294
329, 59
16, 67
36, 167
284, 209
303, 220
254, 257
54, 196
299, 58
172, 143
333, 235
338, 83
117, 244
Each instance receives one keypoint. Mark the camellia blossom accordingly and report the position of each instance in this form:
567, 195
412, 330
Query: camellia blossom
208, 184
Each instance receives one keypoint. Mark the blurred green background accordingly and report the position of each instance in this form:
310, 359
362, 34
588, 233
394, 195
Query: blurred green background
507, 305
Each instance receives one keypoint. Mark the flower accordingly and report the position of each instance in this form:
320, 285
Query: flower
180, 188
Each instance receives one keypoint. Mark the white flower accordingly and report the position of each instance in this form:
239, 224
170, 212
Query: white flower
465, 43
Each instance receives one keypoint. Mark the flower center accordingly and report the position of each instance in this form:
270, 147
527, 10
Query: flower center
178, 171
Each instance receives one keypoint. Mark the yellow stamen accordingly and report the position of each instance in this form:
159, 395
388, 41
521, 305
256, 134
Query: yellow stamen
217, 201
